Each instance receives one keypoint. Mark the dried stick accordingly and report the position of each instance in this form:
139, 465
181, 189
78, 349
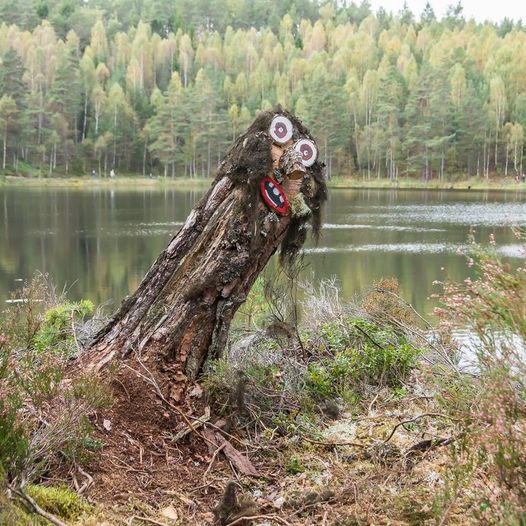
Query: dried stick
214, 456
274, 518
145, 519
333, 444
87, 483
411, 420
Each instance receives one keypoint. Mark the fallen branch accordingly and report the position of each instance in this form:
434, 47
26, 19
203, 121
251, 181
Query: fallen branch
198, 423
238, 460
411, 420
214, 456
274, 518
426, 445
89, 480
144, 519
333, 444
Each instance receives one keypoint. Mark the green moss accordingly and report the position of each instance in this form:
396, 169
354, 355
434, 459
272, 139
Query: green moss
12, 514
59, 501
294, 466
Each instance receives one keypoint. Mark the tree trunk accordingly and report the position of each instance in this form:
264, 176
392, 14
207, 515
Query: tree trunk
182, 310
114, 136
5, 150
145, 149
85, 118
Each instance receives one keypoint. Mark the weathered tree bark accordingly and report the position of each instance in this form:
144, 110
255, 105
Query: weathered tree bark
182, 310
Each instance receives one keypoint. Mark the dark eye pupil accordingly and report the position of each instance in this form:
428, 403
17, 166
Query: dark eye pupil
281, 130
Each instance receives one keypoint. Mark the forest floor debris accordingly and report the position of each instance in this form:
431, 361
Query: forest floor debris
353, 416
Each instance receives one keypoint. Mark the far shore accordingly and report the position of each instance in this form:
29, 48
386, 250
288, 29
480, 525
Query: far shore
135, 182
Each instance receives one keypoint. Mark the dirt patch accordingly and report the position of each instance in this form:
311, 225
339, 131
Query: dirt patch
138, 455
140, 470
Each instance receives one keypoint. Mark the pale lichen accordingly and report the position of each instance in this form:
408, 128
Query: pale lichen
298, 207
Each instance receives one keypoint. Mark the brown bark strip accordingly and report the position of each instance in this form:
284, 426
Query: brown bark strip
239, 461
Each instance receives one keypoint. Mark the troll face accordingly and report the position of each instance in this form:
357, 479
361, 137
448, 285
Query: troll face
291, 154
277, 157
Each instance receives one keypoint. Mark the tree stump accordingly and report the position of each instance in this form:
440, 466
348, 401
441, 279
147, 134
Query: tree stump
181, 313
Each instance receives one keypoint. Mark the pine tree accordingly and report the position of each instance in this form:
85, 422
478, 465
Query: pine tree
391, 98
65, 93
7, 123
11, 77
165, 126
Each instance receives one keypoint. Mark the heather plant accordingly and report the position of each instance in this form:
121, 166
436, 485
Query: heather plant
489, 402
44, 421
13, 440
333, 356
25, 314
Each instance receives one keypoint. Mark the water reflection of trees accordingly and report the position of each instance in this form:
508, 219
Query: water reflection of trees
100, 242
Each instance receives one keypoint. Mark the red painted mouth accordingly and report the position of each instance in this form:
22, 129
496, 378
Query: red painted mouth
274, 196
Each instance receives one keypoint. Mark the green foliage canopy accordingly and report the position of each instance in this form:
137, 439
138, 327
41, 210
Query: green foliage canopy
163, 86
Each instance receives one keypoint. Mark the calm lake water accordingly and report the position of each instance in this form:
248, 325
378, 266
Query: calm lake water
99, 243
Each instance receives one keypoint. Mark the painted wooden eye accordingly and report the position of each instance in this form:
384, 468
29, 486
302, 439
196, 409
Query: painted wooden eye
281, 129
308, 151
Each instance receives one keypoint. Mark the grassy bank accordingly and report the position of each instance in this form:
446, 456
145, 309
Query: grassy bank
408, 183
497, 184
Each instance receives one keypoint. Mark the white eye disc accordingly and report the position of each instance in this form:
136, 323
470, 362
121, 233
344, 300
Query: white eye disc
281, 129
308, 151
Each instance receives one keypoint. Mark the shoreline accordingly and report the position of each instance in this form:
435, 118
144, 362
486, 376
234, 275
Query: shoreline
473, 184
103, 182
343, 183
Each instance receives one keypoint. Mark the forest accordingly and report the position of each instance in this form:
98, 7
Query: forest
162, 87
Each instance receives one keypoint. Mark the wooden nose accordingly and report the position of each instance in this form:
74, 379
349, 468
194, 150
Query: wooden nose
291, 163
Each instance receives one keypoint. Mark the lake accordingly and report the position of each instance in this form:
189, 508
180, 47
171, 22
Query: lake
99, 243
